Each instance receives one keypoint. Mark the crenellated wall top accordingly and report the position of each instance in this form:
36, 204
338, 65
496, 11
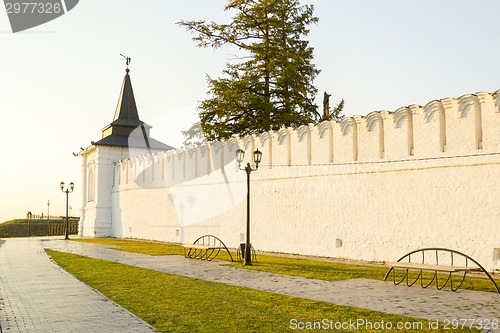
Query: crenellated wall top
450, 109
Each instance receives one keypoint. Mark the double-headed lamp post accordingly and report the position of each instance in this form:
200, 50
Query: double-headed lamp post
257, 158
67, 191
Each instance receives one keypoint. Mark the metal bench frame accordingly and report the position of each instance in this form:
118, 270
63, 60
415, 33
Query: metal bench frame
406, 263
206, 247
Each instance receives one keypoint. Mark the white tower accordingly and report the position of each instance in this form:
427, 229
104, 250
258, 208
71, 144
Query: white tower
125, 132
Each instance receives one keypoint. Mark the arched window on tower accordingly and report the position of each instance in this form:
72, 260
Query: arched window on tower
90, 185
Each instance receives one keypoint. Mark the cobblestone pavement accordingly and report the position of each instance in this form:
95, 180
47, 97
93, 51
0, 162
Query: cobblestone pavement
429, 303
36, 295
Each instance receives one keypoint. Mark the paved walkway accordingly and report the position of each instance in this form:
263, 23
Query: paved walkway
65, 303
36, 295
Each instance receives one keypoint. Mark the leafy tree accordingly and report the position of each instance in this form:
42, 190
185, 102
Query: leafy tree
337, 110
271, 85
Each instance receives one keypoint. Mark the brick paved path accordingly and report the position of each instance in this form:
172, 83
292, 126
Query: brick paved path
36, 295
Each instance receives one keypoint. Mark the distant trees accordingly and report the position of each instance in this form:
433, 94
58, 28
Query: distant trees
271, 84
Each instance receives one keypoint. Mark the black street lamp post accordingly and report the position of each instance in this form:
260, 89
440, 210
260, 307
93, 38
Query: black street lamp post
257, 158
67, 191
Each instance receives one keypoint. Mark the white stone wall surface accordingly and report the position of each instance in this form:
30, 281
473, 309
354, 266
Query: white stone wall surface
367, 188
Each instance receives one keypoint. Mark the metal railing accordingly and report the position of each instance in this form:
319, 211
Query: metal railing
28, 229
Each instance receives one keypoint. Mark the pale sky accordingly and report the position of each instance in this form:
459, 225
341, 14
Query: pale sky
59, 82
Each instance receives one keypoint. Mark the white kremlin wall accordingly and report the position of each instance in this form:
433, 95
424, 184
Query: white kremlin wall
367, 188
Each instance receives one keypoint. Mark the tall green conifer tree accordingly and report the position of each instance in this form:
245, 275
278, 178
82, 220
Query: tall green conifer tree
271, 84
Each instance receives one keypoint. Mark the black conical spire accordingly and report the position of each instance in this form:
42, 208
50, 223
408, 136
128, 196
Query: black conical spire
126, 109
127, 130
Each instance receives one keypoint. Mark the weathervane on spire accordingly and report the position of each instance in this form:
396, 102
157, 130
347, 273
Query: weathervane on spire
127, 60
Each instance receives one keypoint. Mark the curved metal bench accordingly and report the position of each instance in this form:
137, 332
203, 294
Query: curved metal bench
433, 262
206, 247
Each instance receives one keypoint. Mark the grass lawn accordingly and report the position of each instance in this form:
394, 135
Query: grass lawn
173, 303
314, 269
